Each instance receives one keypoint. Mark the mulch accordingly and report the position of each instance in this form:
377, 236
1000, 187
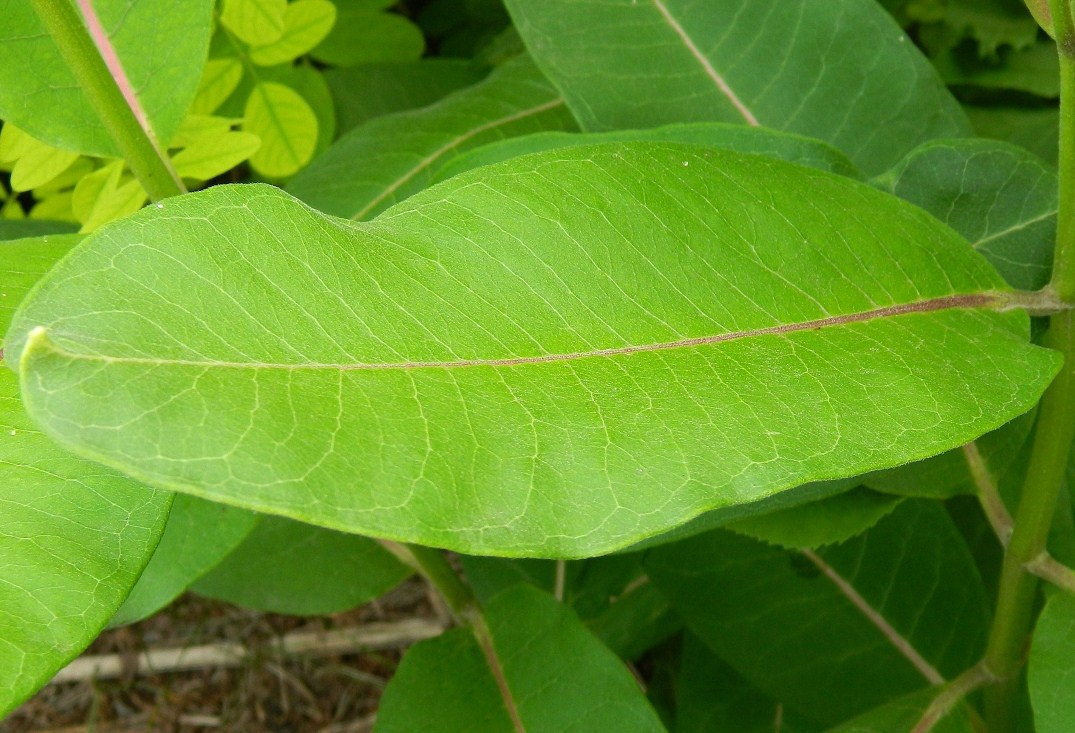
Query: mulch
268, 693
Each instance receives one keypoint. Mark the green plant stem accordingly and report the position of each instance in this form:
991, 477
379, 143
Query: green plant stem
1047, 567
1055, 428
988, 496
73, 40
950, 695
432, 565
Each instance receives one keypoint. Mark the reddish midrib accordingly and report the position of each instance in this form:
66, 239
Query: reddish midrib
947, 302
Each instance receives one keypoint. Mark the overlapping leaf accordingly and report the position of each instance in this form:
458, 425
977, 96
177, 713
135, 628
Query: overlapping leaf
556, 676
161, 45
289, 567
558, 355
839, 70
389, 158
198, 535
836, 632
73, 535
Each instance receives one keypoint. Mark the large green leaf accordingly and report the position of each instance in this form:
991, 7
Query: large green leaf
559, 678
73, 535
839, 70
161, 45
1051, 673
558, 355
835, 632
389, 158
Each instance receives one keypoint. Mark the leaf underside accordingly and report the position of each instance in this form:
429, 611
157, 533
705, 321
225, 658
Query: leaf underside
557, 355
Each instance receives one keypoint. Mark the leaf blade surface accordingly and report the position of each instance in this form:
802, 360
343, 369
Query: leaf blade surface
557, 355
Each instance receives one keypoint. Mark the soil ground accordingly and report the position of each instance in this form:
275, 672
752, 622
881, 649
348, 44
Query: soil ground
268, 693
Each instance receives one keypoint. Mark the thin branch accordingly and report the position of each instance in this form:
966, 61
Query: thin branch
988, 496
561, 577
950, 695
1049, 568
355, 640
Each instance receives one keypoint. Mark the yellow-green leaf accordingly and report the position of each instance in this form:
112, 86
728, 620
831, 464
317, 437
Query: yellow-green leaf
212, 154
306, 23
36, 163
219, 80
105, 195
254, 21
286, 125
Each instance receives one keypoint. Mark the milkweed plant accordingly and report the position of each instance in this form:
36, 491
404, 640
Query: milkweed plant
732, 339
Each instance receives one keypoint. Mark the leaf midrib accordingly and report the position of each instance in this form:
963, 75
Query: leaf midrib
987, 300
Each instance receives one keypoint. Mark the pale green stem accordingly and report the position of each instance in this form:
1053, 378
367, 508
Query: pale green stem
1047, 567
950, 695
988, 496
432, 565
149, 165
1055, 428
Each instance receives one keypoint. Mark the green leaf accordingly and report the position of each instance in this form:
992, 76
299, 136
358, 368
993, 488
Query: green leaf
286, 125
21, 228
105, 195
785, 500
835, 632
588, 689
387, 159
903, 714
635, 621
998, 196
1051, 671
101, 528
25, 261
73, 535
311, 85
35, 163
443, 685
207, 156
364, 35
198, 535
712, 698
306, 23
841, 70
1035, 70
254, 21
161, 45
1036, 129
219, 79
755, 140
819, 523
527, 359
285, 566
371, 90
948, 475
